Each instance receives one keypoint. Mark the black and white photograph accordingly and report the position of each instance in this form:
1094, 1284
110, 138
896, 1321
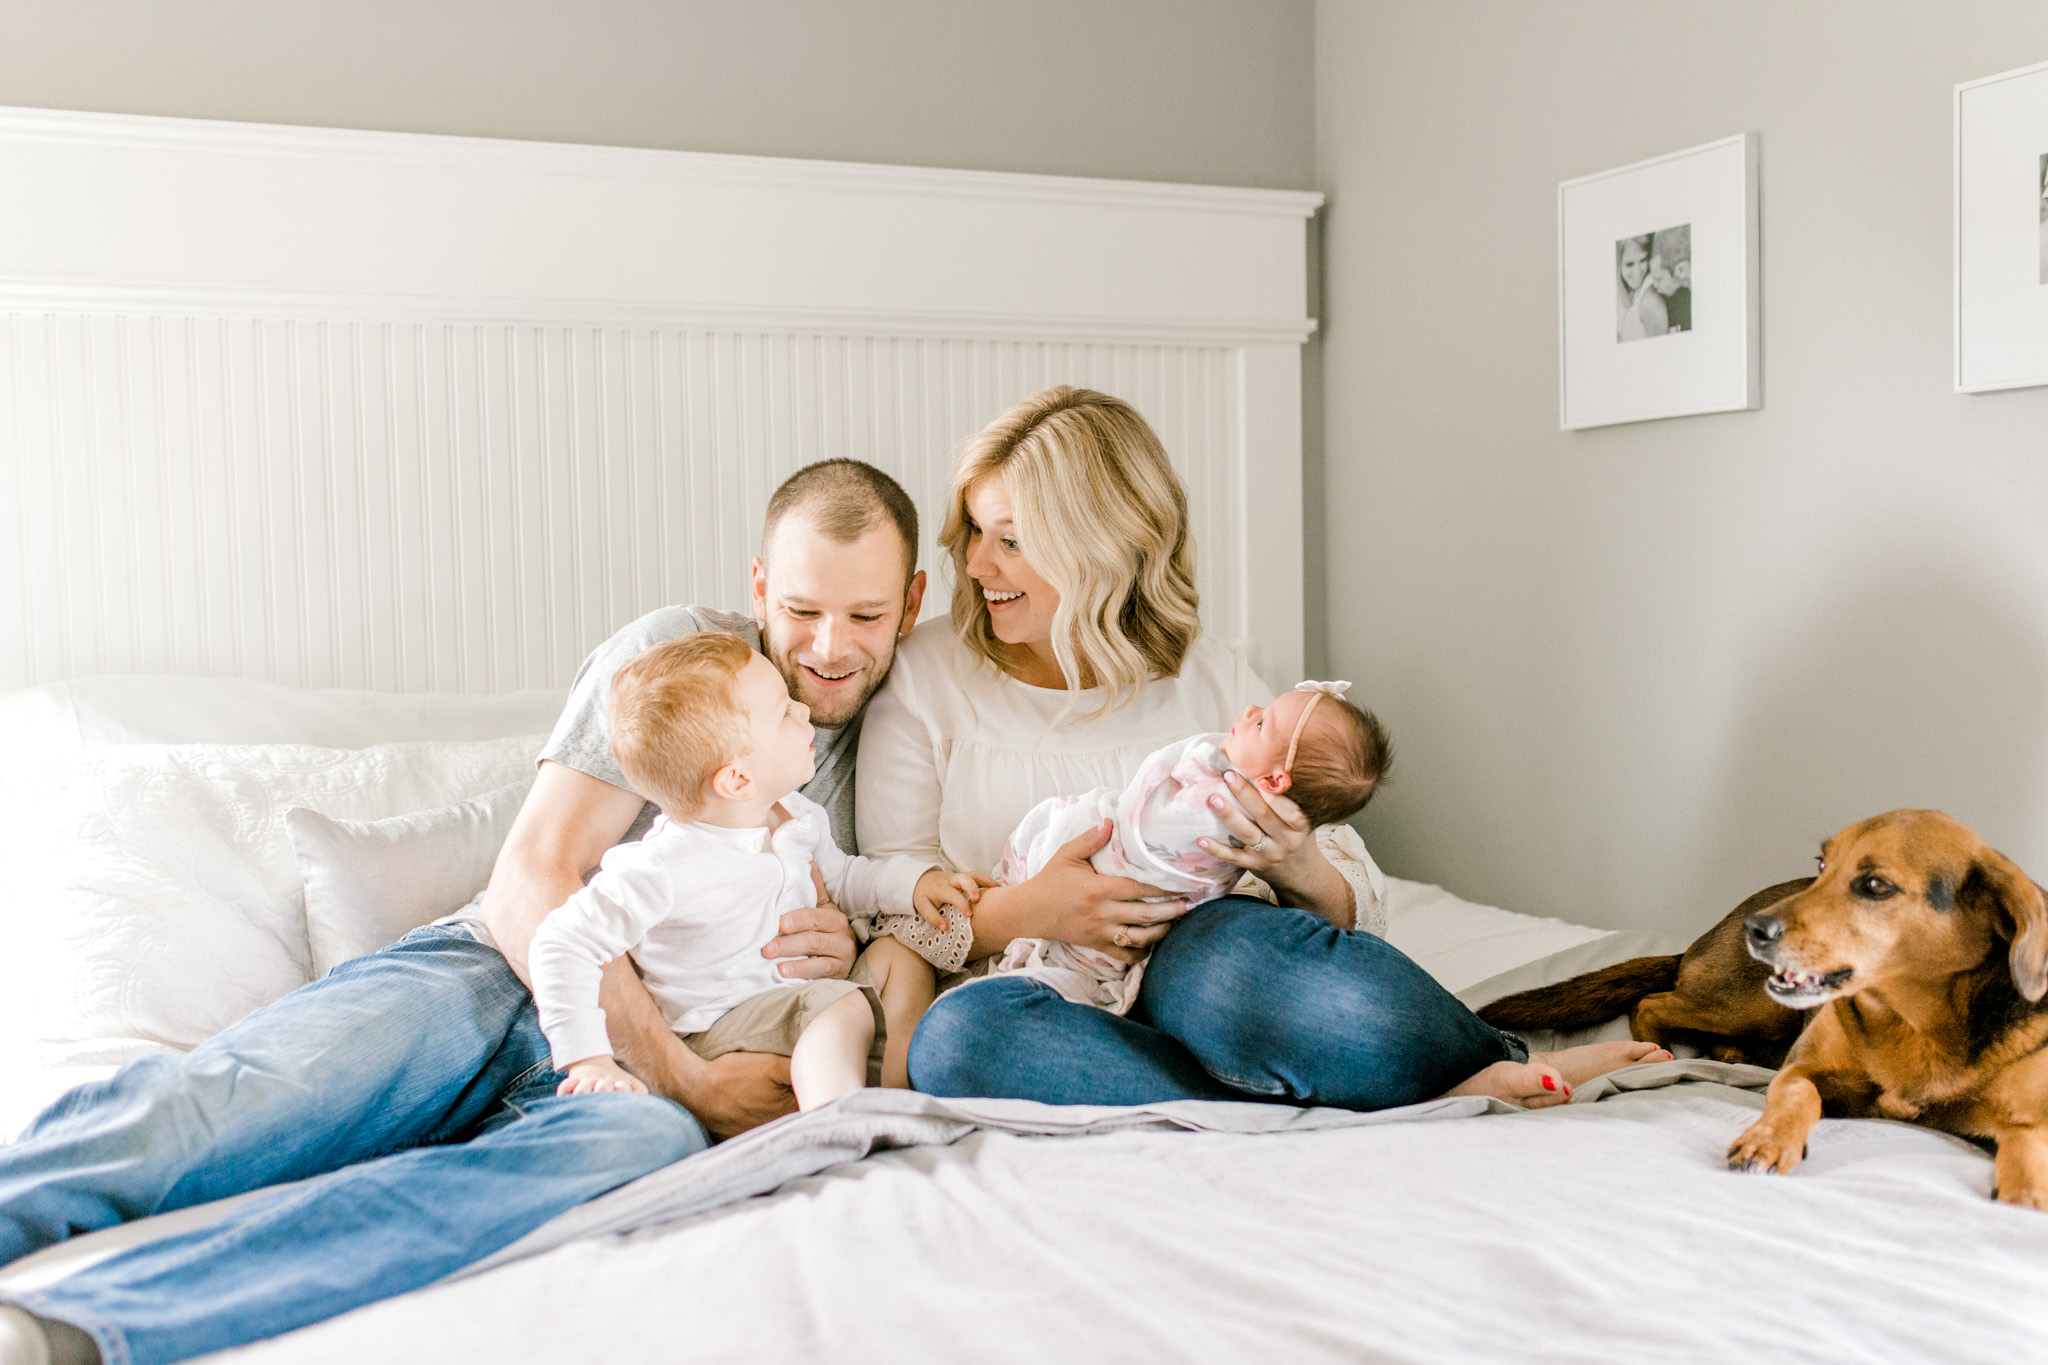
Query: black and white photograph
1653, 283
1625, 276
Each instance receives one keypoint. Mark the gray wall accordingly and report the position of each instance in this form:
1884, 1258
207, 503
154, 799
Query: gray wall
1216, 91
1639, 672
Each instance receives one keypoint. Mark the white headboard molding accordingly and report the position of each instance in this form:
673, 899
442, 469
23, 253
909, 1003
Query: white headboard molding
406, 412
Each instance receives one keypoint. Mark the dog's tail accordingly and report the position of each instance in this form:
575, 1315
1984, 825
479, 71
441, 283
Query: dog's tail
1585, 1000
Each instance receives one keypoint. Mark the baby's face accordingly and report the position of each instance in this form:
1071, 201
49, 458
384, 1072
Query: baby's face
779, 727
1258, 741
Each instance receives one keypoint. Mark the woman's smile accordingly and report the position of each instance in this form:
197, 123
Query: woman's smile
995, 559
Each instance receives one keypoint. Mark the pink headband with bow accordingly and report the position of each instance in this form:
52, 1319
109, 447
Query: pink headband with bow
1317, 691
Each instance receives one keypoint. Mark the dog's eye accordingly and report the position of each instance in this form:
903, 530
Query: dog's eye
1873, 888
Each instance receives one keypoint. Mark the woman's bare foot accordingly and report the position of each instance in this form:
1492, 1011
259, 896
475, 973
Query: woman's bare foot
1581, 1064
1533, 1084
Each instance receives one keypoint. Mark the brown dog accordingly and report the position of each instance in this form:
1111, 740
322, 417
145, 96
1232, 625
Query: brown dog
1924, 953
1711, 996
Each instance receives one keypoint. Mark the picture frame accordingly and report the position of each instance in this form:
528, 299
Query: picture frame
1642, 334
2001, 231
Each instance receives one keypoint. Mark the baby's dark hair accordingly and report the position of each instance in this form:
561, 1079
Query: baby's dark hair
1343, 758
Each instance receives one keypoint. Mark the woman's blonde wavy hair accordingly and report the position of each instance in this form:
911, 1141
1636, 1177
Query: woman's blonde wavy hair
1102, 518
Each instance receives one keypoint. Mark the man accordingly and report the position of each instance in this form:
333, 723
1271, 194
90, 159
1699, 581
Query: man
411, 1089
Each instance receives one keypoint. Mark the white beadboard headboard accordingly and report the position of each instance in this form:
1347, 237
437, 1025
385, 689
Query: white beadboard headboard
426, 413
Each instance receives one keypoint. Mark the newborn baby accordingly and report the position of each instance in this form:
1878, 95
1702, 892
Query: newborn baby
1323, 753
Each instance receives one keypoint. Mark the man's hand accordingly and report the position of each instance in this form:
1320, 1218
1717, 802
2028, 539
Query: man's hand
818, 941
740, 1090
937, 889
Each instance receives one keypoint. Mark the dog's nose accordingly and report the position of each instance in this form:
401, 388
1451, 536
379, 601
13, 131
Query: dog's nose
1764, 931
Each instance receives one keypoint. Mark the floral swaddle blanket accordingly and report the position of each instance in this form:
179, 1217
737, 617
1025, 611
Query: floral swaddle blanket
1158, 818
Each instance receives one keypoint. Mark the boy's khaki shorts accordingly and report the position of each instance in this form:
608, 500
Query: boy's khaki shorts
771, 1021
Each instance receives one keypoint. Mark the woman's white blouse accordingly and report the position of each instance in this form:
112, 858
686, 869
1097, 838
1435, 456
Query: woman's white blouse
953, 752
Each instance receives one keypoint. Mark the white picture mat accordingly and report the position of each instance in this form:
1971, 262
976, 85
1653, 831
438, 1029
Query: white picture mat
1711, 368
2001, 131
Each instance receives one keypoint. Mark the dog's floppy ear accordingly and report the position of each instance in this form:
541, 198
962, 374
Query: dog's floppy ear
2023, 916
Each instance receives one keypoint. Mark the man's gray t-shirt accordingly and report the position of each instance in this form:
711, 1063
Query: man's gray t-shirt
582, 737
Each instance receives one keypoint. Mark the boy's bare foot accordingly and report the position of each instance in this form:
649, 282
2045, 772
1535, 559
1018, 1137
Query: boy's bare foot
1532, 1084
1581, 1064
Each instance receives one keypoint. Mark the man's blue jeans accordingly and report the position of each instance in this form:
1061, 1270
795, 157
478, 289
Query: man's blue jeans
414, 1083
1242, 1001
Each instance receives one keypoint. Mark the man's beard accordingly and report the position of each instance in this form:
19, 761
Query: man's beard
792, 674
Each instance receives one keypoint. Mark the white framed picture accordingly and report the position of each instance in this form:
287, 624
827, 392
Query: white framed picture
2002, 231
1657, 288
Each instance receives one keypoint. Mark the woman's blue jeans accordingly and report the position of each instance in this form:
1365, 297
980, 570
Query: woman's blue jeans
1242, 1001
410, 1090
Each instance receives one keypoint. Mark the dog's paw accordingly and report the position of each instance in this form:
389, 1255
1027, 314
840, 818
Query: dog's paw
2022, 1195
1763, 1150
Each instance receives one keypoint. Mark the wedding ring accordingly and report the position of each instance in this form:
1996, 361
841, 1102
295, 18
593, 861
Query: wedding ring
1121, 938
1256, 847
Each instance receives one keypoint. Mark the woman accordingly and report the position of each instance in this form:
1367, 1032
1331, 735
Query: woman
1073, 652
1642, 307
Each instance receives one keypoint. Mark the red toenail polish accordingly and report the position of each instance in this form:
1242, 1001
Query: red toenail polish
1549, 1084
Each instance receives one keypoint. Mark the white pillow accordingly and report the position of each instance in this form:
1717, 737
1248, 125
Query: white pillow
371, 882
1459, 941
162, 899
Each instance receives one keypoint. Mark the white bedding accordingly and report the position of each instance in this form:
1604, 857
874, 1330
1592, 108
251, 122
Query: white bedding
1460, 943
1607, 1230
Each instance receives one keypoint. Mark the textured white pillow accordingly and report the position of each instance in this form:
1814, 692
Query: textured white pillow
371, 882
161, 900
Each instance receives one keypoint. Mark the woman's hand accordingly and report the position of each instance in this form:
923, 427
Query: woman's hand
1070, 901
1279, 848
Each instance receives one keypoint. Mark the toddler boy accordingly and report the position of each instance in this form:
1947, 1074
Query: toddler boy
706, 728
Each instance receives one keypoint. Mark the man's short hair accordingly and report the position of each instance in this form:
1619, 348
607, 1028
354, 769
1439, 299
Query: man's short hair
675, 719
845, 499
1673, 245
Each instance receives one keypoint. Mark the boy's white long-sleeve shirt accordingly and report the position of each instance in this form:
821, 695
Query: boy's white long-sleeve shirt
694, 904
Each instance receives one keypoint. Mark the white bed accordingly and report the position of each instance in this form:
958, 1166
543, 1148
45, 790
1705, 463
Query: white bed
305, 430
1606, 1230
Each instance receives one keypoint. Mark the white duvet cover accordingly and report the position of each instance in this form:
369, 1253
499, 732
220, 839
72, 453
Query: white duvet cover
1606, 1230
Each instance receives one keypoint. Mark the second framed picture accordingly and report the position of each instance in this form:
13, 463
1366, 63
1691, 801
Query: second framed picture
1657, 288
2002, 231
